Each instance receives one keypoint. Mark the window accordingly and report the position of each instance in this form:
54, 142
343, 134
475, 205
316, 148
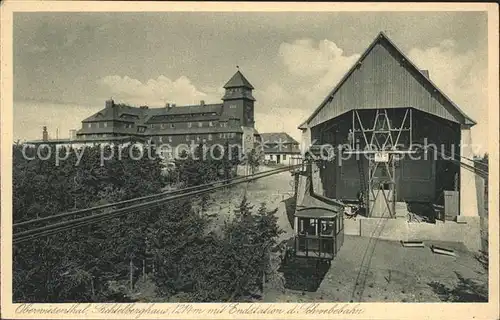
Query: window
197, 138
169, 139
210, 124
187, 137
200, 124
89, 125
172, 125
233, 106
327, 227
189, 124
105, 124
209, 137
163, 126
284, 157
223, 124
160, 139
152, 126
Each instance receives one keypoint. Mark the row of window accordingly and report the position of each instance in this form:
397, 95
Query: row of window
152, 126
94, 135
104, 124
209, 137
97, 125
189, 125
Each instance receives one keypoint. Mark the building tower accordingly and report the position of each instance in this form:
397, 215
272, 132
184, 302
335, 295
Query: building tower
238, 100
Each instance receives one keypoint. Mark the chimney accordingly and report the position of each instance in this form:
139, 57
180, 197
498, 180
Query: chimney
173, 105
167, 105
45, 134
202, 103
110, 103
72, 134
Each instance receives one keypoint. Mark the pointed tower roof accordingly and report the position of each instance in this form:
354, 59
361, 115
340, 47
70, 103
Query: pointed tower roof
238, 80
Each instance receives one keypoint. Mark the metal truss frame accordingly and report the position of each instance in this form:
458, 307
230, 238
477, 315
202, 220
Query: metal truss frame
382, 140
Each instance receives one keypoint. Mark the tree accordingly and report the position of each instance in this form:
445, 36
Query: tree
95, 262
76, 265
253, 161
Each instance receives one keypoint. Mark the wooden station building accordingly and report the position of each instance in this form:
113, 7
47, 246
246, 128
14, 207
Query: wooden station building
381, 126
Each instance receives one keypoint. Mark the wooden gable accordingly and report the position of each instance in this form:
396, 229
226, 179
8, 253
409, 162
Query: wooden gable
384, 78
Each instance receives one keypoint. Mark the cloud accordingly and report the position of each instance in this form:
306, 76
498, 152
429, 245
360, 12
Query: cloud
462, 76
312, 69
36, 48
155, 92
304, 58
31, 116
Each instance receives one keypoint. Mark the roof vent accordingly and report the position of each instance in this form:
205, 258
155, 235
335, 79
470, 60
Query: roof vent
110, 103
202, 103
425, 73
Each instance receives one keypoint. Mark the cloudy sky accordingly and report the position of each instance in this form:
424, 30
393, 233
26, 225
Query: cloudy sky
67, 64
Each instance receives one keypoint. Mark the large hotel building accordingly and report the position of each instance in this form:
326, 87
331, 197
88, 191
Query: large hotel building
231, 121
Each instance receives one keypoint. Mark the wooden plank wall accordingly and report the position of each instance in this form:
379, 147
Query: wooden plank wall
381, 81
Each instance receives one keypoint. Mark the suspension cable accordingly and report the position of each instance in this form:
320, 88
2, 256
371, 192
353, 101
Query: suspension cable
70, 224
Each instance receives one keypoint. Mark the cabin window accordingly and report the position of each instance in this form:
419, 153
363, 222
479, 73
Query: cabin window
308, 226
327, 227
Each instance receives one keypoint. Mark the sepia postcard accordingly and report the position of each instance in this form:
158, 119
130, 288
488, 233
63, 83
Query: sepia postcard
238, 160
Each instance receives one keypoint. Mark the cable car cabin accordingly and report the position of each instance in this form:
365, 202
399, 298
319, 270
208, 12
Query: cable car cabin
319, 233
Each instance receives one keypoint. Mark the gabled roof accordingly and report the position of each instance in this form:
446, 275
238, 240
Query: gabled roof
275, 137
423, 74
237, 81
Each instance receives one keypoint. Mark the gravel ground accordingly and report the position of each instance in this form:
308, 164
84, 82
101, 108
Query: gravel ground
395, 274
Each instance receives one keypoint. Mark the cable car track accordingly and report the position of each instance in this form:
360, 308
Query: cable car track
51, 229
